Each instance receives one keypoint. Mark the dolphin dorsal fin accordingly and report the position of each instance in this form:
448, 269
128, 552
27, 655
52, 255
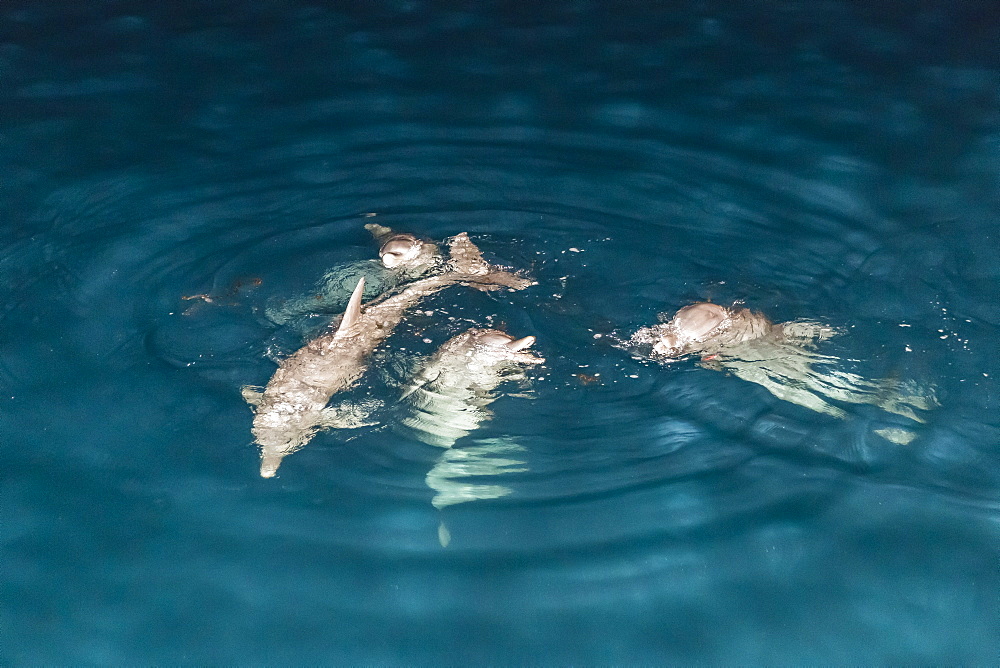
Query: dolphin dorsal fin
353, 312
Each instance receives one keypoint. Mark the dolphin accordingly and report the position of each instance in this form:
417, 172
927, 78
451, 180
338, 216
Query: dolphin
782, 358
705, 327
402, 257
447, 398
293, 405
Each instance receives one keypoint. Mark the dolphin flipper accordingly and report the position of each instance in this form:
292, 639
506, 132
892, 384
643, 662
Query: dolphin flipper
252, 394
466, 258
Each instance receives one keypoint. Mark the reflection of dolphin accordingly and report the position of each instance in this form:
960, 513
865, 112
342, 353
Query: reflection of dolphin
781, 358
402, 257
293, 405
450, 477
448, 397
452, 474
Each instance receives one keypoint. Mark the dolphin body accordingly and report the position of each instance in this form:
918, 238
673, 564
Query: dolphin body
293, 404
782, 359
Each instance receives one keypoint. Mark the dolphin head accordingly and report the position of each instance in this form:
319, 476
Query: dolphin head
279, 433
400, 250
499, 346
704, 327
274, 447
691, 327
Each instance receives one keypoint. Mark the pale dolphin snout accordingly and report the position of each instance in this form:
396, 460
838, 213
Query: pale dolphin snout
521, 344
505, 345
492, 337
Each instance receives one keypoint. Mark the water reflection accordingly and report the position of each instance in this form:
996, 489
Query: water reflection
454, 477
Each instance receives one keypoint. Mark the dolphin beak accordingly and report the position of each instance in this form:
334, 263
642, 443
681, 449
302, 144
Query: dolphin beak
269, 463
521, 344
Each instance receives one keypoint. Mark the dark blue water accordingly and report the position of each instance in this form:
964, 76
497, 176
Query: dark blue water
832, 161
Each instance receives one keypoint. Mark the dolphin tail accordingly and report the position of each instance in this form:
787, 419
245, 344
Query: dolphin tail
444, 536
467, 259
353, 312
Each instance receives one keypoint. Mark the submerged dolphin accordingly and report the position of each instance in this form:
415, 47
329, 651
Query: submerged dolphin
293, 405
402, 257
709, 329
704, 327
781, 358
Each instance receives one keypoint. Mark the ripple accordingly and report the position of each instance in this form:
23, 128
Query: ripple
174, 173
194, 266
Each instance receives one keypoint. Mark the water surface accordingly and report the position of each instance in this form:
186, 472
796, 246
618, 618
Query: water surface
819, 160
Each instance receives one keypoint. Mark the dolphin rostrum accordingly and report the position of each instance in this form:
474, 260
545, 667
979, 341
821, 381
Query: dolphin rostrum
293, 405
